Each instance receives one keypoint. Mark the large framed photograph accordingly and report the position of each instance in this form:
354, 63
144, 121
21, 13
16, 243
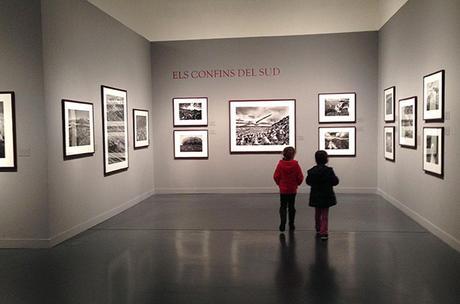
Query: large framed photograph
336, 107
433, 96
78, 129
115, 129
261, 126
340, 141
8, 157
190, 144
141, 128
190, 111
389, 101
433, 150
408, 122
389, 143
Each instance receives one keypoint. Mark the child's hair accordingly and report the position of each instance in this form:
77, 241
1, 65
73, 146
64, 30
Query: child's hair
288, 153
321, 157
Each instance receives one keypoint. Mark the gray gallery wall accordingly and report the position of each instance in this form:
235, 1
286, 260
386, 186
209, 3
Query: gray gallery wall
23, 194
308, 64
423, 37
84, 48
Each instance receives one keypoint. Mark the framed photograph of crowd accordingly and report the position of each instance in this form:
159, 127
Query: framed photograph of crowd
433, 154
389, 138
408, 122
190, 144
340, 141
261, 126
336, 107
433, 96
8, 157
115, 129
141, 128
389, 101
78, 128
190, 111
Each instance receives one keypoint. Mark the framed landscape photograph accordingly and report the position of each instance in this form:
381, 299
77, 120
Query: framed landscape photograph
389, 101
408, 122
433, 150
433, 96
389, 144
8, 157
78, 129
190, 111
261, 126
115, 129
336, 107
340, 141
141, 128
190, 144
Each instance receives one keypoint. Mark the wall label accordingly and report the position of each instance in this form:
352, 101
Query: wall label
262, 72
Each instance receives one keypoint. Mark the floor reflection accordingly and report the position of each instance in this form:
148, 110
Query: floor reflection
289, 275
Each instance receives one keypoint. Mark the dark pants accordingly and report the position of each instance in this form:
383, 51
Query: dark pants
287, 205
321, 219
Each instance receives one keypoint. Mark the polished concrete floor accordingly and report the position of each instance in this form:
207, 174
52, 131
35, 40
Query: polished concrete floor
226, 249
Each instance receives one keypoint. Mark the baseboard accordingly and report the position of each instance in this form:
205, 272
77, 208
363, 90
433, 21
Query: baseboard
443, 235
24, 243
224, 190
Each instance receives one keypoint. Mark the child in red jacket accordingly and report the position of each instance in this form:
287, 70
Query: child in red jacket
288, 176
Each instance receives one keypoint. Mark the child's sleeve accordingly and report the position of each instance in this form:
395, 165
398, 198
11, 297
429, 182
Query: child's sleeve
334, 180
299, 175
308, 180
277, 175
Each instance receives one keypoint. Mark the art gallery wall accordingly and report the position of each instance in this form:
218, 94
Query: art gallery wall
420, 39
308, 65
23, 194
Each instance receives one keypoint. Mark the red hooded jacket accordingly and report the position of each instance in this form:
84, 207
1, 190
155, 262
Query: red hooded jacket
288, 175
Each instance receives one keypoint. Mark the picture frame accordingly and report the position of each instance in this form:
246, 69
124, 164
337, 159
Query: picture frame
337, 141
337, 107
8, 154
190, 111
115, 129
191, 144
408, 122
389, 96
262, 125
433, 97
433, 151
141, 136
77, 129
389, 143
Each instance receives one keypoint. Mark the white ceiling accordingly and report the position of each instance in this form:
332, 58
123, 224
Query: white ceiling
163, 20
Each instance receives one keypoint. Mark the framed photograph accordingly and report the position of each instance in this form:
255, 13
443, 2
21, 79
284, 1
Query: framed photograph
336, 107
190, 144
433, 96
115, 129
8, 157
78, 129
340, 141
190, 111
261, 126
389, 99
141, 128
408, 122
433, 151
389, 144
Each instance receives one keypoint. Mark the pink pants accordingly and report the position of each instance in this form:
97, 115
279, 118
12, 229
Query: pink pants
321, 216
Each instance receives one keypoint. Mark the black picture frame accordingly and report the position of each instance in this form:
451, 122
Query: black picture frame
352, 108
393, 153
9, 164
389, 117
190, 155
401, 143
435, 116
177, 122
440, 146
141, 144
351, 153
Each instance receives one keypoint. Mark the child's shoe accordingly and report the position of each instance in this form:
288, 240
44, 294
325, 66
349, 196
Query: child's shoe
324, 237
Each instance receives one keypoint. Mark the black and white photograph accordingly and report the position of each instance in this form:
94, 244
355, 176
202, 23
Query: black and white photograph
433, 96
8, 156
389, 100
141, 128
261, 126
389, 144
340, 141
408, 122
78, 129
191, 144
190, 111
336, 107
433, 150
115, 131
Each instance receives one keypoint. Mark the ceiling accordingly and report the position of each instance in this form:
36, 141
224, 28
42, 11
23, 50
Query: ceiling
165, 20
